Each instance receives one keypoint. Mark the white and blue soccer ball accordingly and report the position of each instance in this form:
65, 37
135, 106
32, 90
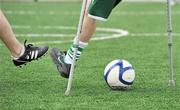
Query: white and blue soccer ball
119, 74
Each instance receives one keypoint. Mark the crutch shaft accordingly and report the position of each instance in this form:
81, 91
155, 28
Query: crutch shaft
76, 45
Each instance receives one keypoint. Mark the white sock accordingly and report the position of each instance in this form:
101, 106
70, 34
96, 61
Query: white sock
69, 56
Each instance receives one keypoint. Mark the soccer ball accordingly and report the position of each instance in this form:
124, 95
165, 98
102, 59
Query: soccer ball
119, 74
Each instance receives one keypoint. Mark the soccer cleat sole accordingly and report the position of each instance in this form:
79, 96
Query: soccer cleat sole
53, 57
55, 61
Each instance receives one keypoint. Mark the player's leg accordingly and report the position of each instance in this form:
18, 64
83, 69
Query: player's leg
98, 10
8, 37
63, 60
21, 53
88, 29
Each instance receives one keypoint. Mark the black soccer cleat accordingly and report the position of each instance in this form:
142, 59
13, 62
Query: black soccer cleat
31, 53
58, 59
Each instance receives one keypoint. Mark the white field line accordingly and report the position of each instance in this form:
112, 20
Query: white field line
152, 34
30, 12
42, 27
106, 37
112, 37
73, 28
111, 33
97, 35
114, 32
33, 35
117, 33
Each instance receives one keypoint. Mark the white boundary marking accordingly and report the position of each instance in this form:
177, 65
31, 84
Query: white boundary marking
151, 34
110, 34
116, 32
30, 12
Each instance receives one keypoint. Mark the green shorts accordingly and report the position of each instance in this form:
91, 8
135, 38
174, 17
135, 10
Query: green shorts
101, 9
